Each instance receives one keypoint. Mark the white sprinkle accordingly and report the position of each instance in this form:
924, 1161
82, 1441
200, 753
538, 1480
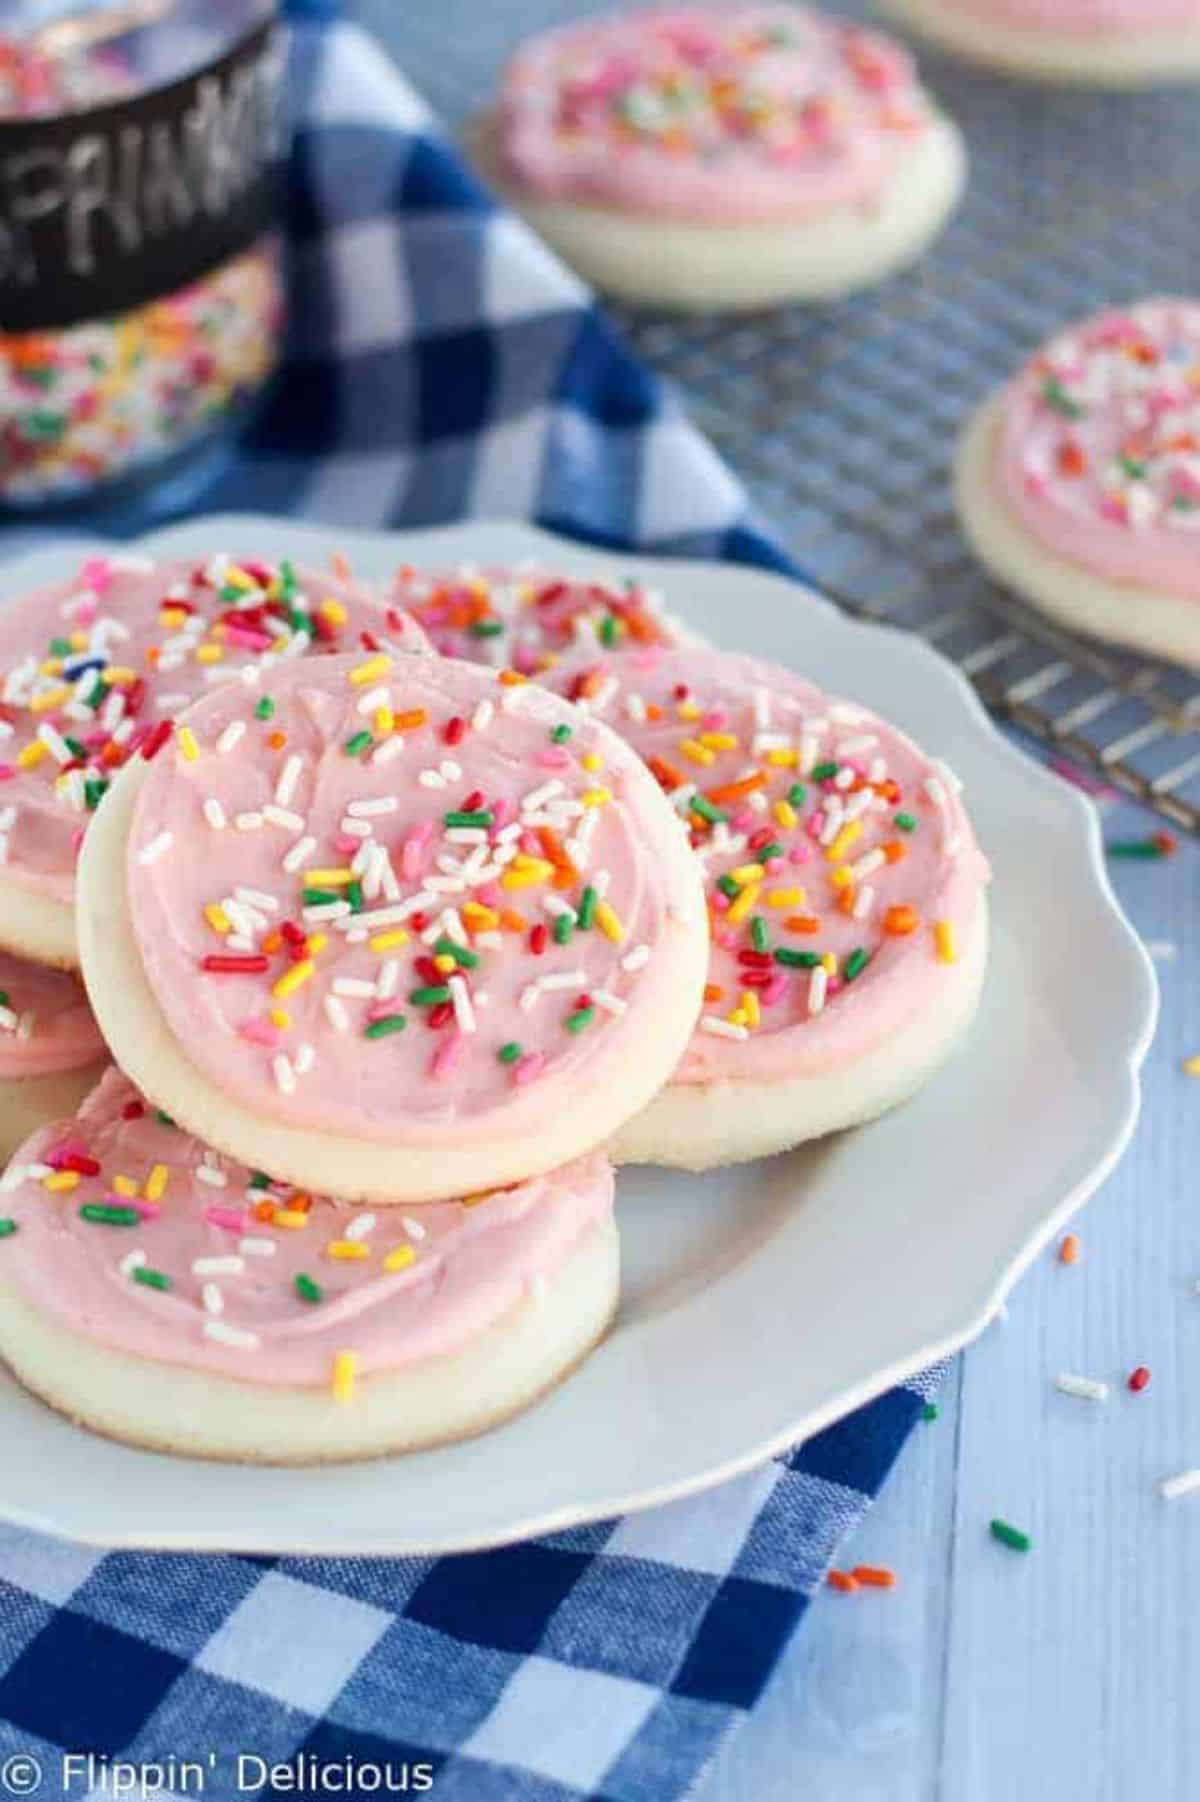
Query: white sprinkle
285, 788
304, 1059
225, 1334
427, 778
604, 998
1087, 1388
55, 743
134, 1260
451, 771
285, 1076
483, 716
336, 1014
563, 979
354, 985
722, 1029
230, 736
392, 748
218, 1266
208, 1173
257, 1248
528, 998
256, 897
360, 1226
636, 959
413, 1228
854, 747
327, 910
281, 816
248, 822
214, 813
1172, 1487
866, 866
539, 796
936, 790
367, 810
153, 851
464, 1013
818, 983
864, 901
373, 700
214, 1301
388, 980
299, 851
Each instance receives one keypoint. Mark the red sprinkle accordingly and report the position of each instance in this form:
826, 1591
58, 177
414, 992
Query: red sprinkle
539, 938
455, 732
1139, 1379
441, 1015
133, 1110
155, 739
221, 964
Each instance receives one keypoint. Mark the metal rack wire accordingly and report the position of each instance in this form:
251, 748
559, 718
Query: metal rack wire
842, 419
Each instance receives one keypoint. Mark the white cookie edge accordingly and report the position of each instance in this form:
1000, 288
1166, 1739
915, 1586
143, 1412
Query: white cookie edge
1120, 60
37, 927
700, 1126
1148, 620
197, 1414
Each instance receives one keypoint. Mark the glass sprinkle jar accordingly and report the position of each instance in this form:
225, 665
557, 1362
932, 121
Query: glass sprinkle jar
140, 293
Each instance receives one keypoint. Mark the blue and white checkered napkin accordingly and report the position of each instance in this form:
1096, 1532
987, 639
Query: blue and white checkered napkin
442, 363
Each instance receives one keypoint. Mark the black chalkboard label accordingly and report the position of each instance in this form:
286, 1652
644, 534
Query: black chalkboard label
104, 210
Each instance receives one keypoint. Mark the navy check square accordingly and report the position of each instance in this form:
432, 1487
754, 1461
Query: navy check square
442, 363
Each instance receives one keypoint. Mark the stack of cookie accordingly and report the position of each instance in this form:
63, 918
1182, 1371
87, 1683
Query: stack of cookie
400, 917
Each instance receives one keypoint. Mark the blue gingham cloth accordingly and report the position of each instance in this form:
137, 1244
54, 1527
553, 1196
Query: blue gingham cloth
442, 363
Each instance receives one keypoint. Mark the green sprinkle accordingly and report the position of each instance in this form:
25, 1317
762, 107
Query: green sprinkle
430, 997
797, 794
231, 593
560, 735
1010, 1536
7, 1228
856, 963
466, 960
703, 806
564, 926
163, 1118
579, 1019
287, 579
379, 1029
4, 998
153, 1279
798, 960
98, 694
508, 1054
360, 742
1133, 469
477, 816
929, 1411
61, 647
768, 852
1144, 848
587, 908
758, 934
104, 1214
94, 791
609, 630
40, 424
486, 628
905, 822
306, 1289
260, 1180
318, 897
1056, 396
824, 772
354, 895
74, 746
728, 887
264, 709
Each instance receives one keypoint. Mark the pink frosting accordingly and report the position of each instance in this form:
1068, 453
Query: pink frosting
93, 665
222, 1238
1099, 446
830, 820
527, 618
344, 851
728, 113
45, 1022
1087, 16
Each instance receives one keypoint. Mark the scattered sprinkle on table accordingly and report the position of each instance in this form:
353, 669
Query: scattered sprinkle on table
1085, 1388
1012, 1537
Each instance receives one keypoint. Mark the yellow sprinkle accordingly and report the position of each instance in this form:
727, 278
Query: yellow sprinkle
383, 722
695, 752
294, 1218
841, 877
317, 941
389, 941
33, 753
156, 1183
947, 949
746, 872
737, 1017
345, 1369
335, 878
171, 617
185, 738
217, 918
370, 671
719, 741
786, 814
596, 797
209, 653
785, 897
842, 843
77, 640
445, 964
592, 760
120, 676
524, 871
293, 979
400, 1259
347, 1250
688, 710
236, 577
60, 1180
608, 922
51, 667
483, 919
334, 612
830, 963
749, 1006
53, 697
281, 1018
124, 1185
1191, 1066
783, 759
746, 902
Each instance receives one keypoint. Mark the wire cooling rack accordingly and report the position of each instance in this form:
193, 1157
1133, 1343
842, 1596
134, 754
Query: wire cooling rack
841, 419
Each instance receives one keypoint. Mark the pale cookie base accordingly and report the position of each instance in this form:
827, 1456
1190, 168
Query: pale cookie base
706, 266
29, 1102
1116, 59
194, 1414
355, 1169
699, 1126
37, 927
1163, 625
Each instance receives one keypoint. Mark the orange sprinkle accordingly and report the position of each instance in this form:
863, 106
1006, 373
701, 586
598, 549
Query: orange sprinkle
510, 678
841, 1579
802, 923
901, 920
1069, 1249
894, 851
263, 1210
512, 921
664, 773
408, 722
340, 565
277, 740
733, 791
874, 1576
653, 710
272, 942
1072, 460
847, 898
713, 991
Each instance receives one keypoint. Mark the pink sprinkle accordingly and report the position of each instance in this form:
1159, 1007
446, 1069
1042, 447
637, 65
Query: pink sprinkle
489, 894
715, 720
448, 1054
799, 854
503, 811
526, 1069
720, 901
227, 1219
773, 865
259, 1032
412, 848
723, 937
250, 641
552, 757
815, 824
1113, 509
149, 1210
97, 574
345, 845
745, 820
530, 844
7, 771
774, 990
69, 1148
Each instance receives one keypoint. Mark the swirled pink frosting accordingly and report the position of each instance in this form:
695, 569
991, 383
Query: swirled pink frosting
46, 1024
89, 667
416, 838
1088, 17
1098, 450
527, 618
206, 1276
723, 113
842, 873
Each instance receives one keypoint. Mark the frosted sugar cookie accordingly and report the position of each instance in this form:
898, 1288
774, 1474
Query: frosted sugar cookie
92, 669
1115, 43
399, 928
1078, 485
528, 617
846, 894
723, 157
51, 1052
159, 1294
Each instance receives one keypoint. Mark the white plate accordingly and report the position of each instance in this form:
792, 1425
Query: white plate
760, 1303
